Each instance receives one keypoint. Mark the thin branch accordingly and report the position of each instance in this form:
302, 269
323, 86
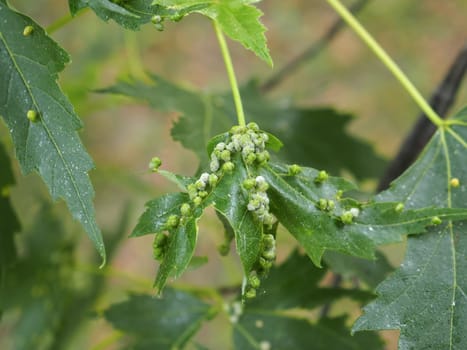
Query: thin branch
312, 51
441, 101
422, 131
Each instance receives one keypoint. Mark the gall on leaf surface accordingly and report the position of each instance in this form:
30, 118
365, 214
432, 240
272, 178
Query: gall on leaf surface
294, 285
162, 323
50, 145
203, 116
426, 297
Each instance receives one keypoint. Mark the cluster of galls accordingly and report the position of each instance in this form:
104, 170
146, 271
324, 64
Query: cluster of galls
248, 140
264, 264
258, 202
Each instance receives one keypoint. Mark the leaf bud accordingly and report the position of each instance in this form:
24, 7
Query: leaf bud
435, 220
32, 116
294, 169
28, 30
321, 177
454, 182
185, 209
154, 164
228, 167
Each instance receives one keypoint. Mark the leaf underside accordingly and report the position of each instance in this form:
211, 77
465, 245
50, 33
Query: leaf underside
426, 298
29, 66
153, 323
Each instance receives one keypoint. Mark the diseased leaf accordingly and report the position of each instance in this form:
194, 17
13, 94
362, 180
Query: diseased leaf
314, 136
9, 223
426, 297
268, 322
49, 142
159, 323
130, 14
295, 200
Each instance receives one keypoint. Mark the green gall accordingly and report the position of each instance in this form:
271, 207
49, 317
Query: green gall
5, 191
172, 221
158, 253
347, 217
223, 249
237, 129
185, 209
339, 194
454, 182
269, 220
331, 204
197, 201
253, 126
177, 17
321, 177
269, 254
225, 155
294, 169
399, 207
254, 281
192, 191
155, 164
228, 167
262, 186
250, 158
32, 116
203, 194
262, 157
28, 30
435, 220
269, 241
200, 185
156, 19
213, 179
159, 240
250, 293
264, 263
322, 204
248, 184
159, 27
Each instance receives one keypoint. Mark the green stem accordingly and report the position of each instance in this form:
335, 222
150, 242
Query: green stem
61, 22
387, 61
231, 74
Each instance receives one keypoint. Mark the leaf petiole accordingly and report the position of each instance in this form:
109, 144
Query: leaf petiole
231, 74
387, 61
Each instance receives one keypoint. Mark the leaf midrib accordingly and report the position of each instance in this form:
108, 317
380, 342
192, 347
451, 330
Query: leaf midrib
52, 139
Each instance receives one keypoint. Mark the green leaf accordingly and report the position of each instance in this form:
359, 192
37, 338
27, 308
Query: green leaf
269, 319
49, 144
159, 323
9, 223
130, 14
372, 272
295, 202
237, 18
313, 136
432, 278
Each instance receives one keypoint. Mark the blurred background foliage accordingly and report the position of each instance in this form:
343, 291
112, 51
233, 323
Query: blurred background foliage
121, 134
